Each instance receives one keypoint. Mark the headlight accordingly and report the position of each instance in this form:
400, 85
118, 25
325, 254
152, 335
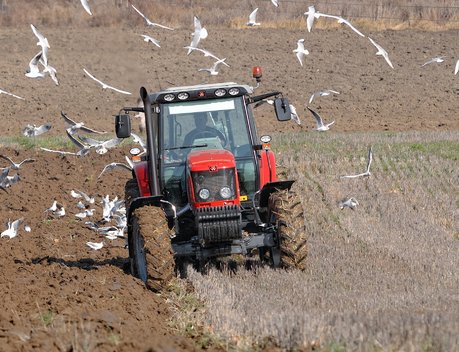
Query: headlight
204, 194
233, 91
225, 192
220, 92
183, 96
169, 97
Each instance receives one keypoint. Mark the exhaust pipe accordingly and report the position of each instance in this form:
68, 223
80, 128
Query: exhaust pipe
151, 147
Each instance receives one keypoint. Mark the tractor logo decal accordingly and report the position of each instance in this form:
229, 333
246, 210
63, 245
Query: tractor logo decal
213, 168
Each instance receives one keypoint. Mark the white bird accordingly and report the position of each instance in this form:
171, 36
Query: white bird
43, 42
300, 51
437, 59
33, 130
27, 228
13, 95
139, 140
83, 149
275, 2
348, 202
381, 52
340, 21
213, 70
12, 228
147, 38
51, 71
206, 53
86, 6
74, 126
104, 85
114, 165
33, 71
322, 93
56, 209
95, 245
61, 152
79, 194
263, 101
367, 171
198, 34
101, 146
456, 69
319, 122
311, 17
149, 23
84, 213
294, 115
253, 19
16, 166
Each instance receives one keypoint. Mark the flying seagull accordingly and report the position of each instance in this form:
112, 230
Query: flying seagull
253, 19
213, 70
367, 171
86, 6
33, 71
311, 16
147, 38
381, 52
149, 23
340, 21
322, 93
12, 228
294, 115
95, 245
437, 59
16, 166
319, 122
348, 202
300, 51
104, 85
75, 126
43, 42
33, 130
101, 146
84, 149
112, 166
206, 53
198, 34
13, 95
275, 2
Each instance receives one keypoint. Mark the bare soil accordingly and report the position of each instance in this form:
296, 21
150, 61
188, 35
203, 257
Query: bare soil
57, 294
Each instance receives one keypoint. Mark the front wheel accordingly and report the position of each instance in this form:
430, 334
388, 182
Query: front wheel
286, 214
152, 258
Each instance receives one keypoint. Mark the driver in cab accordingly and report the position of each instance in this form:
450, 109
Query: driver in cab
202, 130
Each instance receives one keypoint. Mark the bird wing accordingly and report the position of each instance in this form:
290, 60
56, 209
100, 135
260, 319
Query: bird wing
90, 130
86, 6
111, 142
342, 20
67, 119
112, 166
275, 2
7, 159
75, 141
161, 26
90, 141
294, 115
370, 159
13, 95
42, 41
151, 39
118, 90
456, 69
253, 16
95, 79
141, 14
317, 117
42, 129
16, 223
197, 24
33, 64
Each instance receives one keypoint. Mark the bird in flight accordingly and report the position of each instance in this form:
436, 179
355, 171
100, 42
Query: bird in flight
253, 19
311, 16
367, 171
86, 6
104, 85
340, 21
437, 59
322, 93
114, 165
381, 52
16, 166
199, 33
13, 95
348, 202
147, 38
75, 126
33, 130
300, 51
293, 115
319, 122
12, 228
213, 70
149, 23
206, 53
43, 42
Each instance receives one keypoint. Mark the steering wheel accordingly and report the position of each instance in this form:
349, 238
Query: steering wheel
211, 133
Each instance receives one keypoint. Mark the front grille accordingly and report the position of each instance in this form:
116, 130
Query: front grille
214, 181
218, 224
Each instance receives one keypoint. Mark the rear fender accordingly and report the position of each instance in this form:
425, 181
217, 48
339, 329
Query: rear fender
271, 187
143, 181
267, 167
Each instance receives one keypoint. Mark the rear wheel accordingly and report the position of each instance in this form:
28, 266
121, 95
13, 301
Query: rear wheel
286, 213
152, 258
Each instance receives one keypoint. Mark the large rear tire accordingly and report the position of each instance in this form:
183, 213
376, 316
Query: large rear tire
286, 213
152, 257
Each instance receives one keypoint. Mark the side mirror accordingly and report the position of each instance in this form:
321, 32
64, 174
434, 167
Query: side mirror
282, 108
123, 126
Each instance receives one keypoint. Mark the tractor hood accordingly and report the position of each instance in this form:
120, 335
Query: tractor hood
210, 160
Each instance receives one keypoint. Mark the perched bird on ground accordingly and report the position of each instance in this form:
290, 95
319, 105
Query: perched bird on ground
13, 95
149, 23
437, 59
367, 171
12, 228
81, 194
33, 130
319, 122
75, 126
300, 51
253, 19
199, 33
322, 93
147, 38
381, 52
16, 166
86, 6
348, 202
104, 85
57, 210
95, 245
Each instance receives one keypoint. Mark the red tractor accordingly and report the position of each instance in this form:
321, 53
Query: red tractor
206, 186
